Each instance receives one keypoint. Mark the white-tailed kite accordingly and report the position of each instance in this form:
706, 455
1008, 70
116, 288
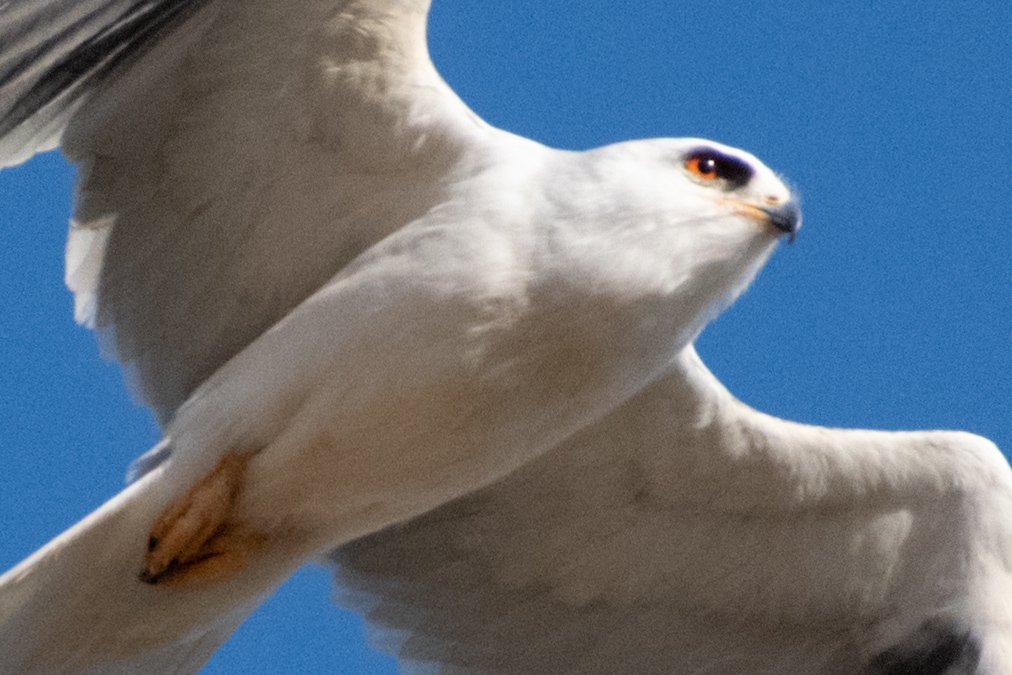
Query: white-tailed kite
360, 311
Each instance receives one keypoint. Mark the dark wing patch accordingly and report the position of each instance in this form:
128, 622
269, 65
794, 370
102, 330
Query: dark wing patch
54, 55
938, 647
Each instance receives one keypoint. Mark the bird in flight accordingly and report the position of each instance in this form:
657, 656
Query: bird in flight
459, 364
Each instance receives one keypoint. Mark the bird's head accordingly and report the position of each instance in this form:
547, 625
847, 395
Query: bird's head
689, 220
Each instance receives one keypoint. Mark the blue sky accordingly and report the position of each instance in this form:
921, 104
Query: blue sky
893, 310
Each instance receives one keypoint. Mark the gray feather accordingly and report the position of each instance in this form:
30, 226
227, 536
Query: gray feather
56, 53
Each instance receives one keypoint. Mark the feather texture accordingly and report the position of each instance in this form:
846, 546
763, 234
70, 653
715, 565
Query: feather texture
688, 533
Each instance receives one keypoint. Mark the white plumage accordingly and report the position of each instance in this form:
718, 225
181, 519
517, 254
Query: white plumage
322, 257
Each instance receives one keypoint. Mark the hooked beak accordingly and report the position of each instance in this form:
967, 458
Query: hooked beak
786, 218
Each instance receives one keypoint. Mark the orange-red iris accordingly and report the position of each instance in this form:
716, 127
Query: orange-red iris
703, 167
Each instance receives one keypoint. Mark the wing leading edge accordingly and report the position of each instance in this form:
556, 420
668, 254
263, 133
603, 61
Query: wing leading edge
688, 533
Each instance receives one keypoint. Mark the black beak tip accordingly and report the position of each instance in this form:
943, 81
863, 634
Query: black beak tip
786, 218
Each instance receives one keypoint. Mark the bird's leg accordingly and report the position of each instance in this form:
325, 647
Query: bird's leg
192, 540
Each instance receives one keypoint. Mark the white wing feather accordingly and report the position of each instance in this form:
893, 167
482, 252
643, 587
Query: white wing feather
232, 160
687, 533
237, 162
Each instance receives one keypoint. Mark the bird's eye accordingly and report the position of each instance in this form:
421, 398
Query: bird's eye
709, 165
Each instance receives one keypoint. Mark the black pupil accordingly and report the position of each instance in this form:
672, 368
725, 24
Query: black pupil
729, 169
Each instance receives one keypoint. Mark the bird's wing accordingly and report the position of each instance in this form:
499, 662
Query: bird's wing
688, 533
77, 606
56, 53
233, 155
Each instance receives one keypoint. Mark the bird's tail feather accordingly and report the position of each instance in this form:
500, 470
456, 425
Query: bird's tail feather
78, 606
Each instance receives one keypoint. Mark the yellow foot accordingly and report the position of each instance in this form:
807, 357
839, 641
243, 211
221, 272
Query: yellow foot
192, 540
